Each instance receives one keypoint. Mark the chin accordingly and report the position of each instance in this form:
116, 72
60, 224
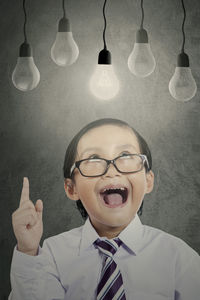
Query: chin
115, 221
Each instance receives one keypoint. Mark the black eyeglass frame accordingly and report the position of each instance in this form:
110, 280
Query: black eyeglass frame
109, 161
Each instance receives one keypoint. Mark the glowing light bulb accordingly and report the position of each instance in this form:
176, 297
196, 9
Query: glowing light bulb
141, 61
182, 85
104, 83
64, 51
26, 75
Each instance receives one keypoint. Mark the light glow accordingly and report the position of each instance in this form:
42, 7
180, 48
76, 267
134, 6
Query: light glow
104, 83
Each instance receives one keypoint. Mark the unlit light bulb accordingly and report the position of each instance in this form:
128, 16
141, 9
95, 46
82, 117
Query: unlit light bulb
141, 61
26, 75
182, 85
104, 83
64, 51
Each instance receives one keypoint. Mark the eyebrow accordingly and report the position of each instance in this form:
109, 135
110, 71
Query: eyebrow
96, 149
126, 146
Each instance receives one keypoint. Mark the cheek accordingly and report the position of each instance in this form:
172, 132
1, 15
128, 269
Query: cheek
138, 182
84, 187
86, 193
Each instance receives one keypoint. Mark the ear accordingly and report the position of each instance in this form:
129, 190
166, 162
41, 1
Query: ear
70, 189
150, 181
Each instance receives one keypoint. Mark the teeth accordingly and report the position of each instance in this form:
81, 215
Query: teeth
108, 189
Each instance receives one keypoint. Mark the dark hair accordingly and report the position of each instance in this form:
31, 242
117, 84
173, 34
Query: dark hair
72, 151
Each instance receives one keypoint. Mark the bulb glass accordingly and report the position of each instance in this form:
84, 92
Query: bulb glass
26, 75
182, 85
104, 83
141, 61
64, 51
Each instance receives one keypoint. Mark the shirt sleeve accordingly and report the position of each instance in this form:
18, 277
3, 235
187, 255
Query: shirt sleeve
187, 281
35, 277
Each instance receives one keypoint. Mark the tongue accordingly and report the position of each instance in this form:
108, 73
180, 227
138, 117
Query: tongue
113, 199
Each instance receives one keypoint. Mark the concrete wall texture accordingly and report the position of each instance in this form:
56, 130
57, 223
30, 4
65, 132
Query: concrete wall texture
36, 126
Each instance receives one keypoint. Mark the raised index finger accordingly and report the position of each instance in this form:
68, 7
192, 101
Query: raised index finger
25, 191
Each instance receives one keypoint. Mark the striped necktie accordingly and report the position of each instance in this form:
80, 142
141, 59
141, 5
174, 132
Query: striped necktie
110, 286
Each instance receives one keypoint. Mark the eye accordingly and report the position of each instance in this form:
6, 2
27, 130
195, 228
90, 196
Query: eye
124, 157
94, 157
125, 153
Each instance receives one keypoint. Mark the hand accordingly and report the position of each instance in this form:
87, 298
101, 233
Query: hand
27, 222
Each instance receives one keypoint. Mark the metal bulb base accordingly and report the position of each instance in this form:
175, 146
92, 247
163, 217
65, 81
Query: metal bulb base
64, 25
141, 36
183, 60
25, 50
104, 57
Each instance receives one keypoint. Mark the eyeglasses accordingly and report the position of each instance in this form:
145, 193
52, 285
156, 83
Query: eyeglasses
126, 163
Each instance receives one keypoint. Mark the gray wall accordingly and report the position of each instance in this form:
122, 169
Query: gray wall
36, 126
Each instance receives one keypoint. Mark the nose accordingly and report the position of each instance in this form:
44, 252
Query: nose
112, 171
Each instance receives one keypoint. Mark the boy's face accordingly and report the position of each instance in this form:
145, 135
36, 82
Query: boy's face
109, 212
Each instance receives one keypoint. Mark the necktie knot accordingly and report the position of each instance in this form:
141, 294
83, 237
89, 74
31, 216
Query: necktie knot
108, 247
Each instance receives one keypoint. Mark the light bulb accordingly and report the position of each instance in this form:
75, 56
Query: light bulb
182, 85
64, 51
104, 83
141, 61
25, 76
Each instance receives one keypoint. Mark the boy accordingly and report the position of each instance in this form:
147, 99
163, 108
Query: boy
107, 170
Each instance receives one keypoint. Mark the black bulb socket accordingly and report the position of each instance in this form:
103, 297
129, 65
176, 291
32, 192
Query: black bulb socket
25, 50
141, 36
64, 25
183, 60
104, 57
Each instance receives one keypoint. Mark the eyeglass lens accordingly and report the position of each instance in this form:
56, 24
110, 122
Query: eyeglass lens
96, 167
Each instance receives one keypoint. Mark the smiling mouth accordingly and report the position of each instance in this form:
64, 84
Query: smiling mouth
114, 197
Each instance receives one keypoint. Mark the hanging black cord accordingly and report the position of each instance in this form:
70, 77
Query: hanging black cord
105, 24
142, 9
184, 17
64, 11
25, 21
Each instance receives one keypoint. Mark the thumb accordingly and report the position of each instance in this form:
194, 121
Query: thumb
39, 207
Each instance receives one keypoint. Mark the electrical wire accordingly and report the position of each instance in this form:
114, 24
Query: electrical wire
105, 25
142, 9
183, 24
63, 6
25, 21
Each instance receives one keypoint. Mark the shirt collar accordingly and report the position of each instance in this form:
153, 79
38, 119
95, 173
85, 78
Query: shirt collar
130, 236
89, 236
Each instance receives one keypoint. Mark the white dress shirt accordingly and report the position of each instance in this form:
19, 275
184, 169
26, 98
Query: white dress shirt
154, 266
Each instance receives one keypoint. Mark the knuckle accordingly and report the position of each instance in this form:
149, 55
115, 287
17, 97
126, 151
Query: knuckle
32, 214
13, 218
14, 214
